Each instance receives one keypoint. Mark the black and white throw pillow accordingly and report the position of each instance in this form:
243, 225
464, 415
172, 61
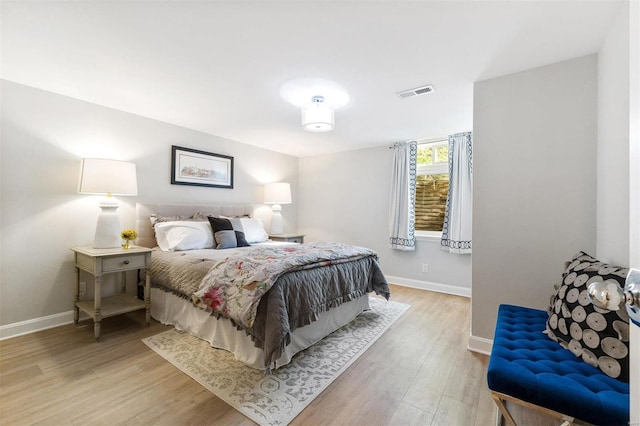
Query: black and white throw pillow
598, 336
227, 233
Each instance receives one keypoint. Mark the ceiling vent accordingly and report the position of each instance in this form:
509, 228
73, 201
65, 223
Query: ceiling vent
416, 92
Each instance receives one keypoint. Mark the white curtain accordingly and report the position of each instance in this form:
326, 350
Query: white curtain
403, 195
456, 231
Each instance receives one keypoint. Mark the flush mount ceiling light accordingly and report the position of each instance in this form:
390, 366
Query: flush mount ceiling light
318, 99
317, 116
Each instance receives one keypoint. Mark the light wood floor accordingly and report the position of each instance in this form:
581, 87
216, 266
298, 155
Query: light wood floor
418, 373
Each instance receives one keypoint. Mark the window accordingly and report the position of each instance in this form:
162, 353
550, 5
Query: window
432, 186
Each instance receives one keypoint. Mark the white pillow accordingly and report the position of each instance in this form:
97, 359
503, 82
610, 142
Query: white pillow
253, 230
184, 235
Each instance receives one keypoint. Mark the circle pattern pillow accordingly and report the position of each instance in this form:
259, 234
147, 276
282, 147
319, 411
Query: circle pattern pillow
598, 336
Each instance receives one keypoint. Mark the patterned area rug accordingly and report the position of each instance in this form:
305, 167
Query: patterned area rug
278, 398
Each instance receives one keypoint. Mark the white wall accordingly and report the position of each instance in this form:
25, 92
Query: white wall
612, 235
345, 197
634, 148
44, 137
619, 160
534, 184
634, 192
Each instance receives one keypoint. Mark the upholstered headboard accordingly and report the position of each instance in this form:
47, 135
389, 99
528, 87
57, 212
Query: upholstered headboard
146, 236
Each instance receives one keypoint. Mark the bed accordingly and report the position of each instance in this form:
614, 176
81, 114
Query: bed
292, 308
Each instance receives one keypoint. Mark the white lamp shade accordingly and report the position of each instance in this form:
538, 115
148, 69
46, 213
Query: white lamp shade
317, 117
277, 193
112, 177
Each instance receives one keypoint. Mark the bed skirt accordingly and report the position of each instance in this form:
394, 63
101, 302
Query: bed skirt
170, 309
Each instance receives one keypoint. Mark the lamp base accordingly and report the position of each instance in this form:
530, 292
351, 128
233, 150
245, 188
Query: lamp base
108, 226
276, 220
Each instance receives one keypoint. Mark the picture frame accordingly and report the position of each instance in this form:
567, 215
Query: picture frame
200, 168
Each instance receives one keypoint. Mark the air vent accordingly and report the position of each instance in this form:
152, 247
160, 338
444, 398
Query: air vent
416, 92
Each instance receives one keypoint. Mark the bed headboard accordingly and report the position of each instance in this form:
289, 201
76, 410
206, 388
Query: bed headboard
146, 236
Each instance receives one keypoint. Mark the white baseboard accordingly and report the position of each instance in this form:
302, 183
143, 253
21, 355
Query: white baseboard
37, 324
480, 345
426, 285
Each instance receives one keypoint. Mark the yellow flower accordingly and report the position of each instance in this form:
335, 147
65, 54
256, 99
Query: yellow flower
129, 234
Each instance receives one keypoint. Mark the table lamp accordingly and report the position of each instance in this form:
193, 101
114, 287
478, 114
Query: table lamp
277, 193
107, 177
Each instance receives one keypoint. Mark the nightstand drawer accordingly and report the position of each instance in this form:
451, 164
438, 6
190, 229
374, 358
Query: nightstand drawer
295, 240
123, 263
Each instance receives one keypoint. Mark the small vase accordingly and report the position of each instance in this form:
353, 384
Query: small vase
126, 244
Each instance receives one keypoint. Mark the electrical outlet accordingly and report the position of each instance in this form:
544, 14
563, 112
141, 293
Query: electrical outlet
425, 267
82, 288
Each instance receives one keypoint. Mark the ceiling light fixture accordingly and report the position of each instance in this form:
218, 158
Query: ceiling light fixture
317, 116
318, 99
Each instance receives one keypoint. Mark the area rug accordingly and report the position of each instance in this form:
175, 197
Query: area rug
276, 399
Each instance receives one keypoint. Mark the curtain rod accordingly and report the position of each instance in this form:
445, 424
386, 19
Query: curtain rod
424, 140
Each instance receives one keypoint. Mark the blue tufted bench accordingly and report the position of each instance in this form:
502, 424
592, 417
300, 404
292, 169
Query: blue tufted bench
528, 368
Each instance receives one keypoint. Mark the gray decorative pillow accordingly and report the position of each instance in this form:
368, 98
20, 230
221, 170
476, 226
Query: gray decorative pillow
154, 218
227, 233
599, 337
202, 216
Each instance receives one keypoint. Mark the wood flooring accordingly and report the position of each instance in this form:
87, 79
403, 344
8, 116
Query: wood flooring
418, 373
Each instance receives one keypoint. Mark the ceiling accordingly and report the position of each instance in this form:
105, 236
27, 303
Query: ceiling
217, 67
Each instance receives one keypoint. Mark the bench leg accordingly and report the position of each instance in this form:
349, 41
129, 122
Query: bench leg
504, 413
568, 421
503, 409
499, 417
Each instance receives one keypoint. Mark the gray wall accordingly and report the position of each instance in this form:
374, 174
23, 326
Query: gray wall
44, 137
534, 183
345, 197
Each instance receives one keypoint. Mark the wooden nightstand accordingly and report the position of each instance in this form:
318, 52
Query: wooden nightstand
105, 261
289, 238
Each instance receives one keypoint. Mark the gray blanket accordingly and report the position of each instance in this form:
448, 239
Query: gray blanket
296, 299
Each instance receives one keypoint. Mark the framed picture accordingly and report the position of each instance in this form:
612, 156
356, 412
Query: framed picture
200, 168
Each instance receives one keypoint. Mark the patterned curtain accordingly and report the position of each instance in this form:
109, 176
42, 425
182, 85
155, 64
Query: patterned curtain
403, 195
456, 231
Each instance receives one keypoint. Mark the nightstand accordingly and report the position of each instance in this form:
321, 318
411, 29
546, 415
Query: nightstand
289, 238
98, 262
